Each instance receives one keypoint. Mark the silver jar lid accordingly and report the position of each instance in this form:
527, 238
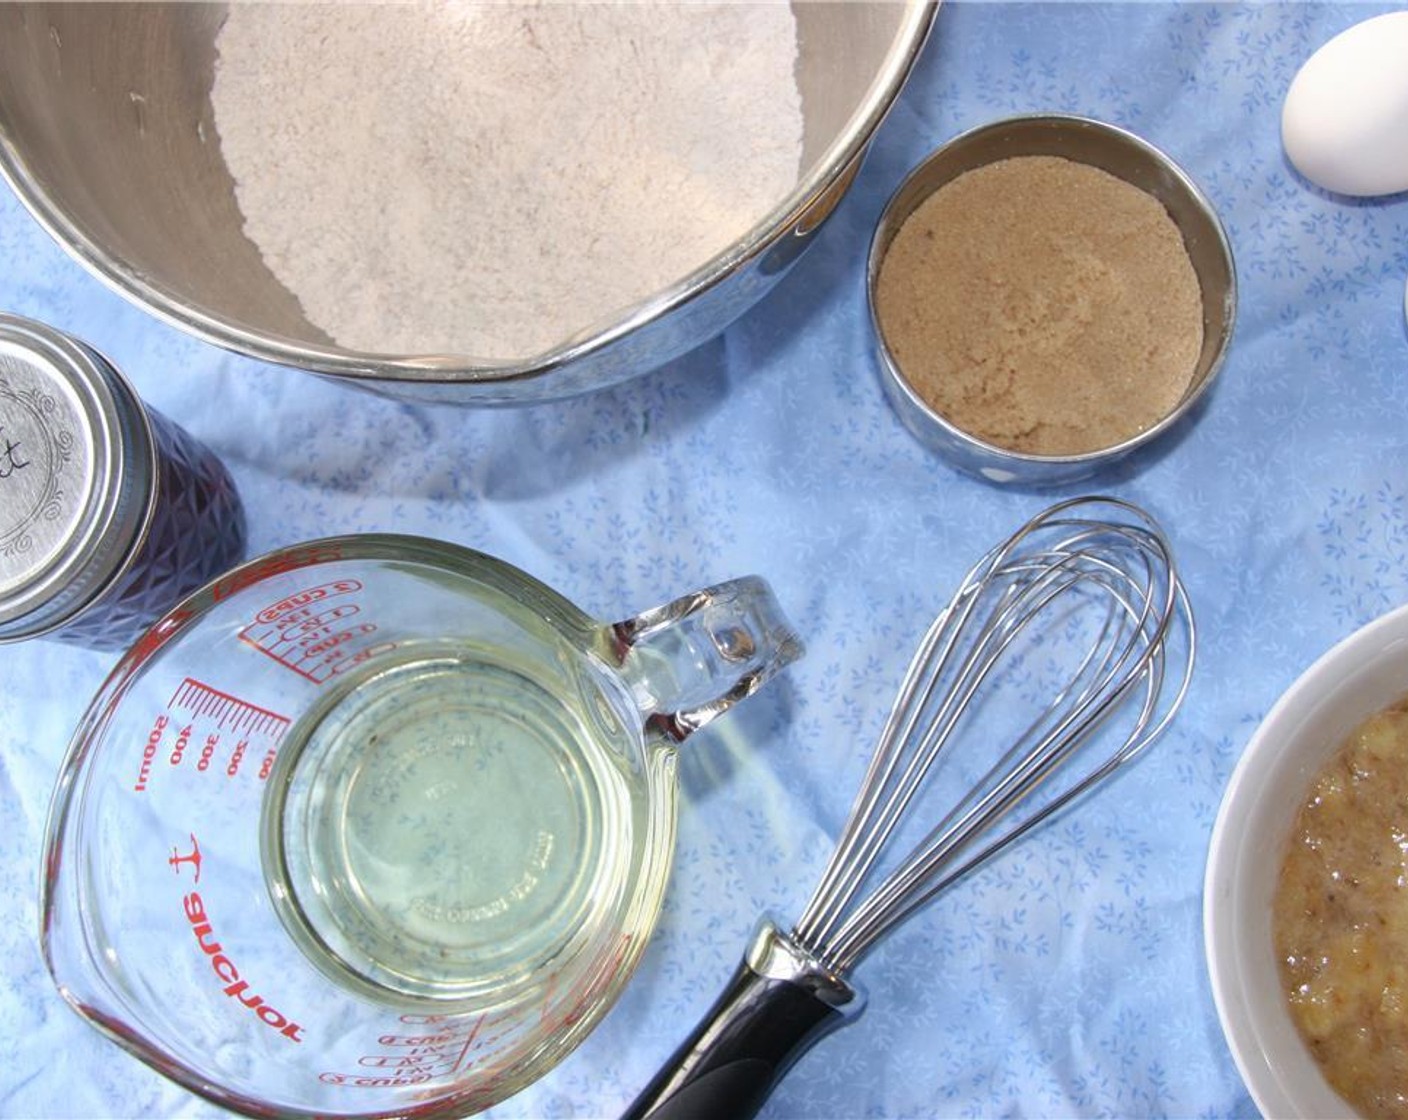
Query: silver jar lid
77, 474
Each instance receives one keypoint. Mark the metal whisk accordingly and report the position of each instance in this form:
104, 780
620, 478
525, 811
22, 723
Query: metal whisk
1079, 619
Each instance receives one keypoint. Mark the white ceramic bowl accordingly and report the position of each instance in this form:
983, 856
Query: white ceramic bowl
1361, 675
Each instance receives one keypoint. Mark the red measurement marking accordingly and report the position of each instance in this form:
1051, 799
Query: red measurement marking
460, 1059
183, 739
289, 560
296, 604
362, 1081
229, 713
234, 766
413, 1059
144, 770
384, 1061
314, 635
205, 715
447, 1047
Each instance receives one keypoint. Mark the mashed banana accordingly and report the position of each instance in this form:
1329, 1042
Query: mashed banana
1341, 917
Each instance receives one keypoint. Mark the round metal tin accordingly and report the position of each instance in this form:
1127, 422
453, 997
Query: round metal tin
77, 471
1122, 154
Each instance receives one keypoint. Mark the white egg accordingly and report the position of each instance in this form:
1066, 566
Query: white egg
1345, 121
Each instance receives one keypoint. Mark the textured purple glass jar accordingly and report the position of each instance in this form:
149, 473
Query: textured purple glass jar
109, 512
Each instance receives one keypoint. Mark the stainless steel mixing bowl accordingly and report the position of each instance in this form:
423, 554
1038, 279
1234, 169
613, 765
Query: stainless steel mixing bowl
107, 135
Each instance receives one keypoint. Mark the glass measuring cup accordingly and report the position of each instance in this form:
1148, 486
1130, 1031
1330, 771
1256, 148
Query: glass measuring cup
378, 825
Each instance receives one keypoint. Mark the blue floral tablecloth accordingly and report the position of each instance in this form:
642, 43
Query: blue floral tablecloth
1065, 980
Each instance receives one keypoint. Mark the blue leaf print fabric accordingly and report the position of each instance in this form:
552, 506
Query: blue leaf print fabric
1066, 979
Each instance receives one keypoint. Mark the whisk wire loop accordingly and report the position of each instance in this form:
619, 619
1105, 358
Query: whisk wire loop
997, 616
932, 868
1073, 633
883, 797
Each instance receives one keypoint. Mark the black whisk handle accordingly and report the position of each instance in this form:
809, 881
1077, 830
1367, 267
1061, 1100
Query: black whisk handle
778, 1004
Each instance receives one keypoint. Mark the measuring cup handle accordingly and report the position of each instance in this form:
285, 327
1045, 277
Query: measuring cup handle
692, 659
778, 1004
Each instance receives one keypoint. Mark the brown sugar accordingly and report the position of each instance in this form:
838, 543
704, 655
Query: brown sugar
1043, 305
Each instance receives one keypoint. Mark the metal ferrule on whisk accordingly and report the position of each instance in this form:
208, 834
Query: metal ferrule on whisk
1086, 590
773, 955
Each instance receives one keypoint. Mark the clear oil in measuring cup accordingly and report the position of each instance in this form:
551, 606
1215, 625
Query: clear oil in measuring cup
447, 826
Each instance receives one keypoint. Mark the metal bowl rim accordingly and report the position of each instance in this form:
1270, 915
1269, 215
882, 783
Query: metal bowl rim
837, 160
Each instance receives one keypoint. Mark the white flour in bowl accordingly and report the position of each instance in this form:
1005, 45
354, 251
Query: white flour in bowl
487, 179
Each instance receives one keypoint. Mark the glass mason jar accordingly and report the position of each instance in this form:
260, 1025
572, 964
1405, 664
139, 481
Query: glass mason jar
109, 512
